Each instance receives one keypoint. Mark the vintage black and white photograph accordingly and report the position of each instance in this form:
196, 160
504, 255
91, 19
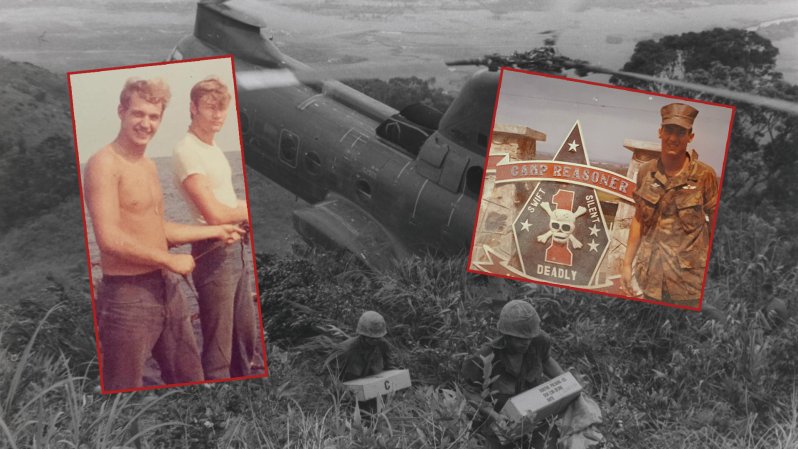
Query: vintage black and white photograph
365, 127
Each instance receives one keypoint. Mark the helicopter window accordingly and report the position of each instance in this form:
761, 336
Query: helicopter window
289, 147
474, 180
363, 189
407, 133
408, 136
313, 163
422, 115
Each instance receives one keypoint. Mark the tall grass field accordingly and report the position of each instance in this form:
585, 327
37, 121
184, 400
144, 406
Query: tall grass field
664, 378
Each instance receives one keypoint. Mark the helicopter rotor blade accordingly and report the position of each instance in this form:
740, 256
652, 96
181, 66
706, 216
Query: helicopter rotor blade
275, 78
264, 79
756, 100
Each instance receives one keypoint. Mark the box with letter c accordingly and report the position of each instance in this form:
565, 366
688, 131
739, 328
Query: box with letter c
380, 384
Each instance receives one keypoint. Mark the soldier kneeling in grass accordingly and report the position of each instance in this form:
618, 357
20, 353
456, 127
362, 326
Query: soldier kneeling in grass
364, 355
516, 362
518, 359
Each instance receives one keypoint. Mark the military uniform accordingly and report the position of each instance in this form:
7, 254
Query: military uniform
356, 358
513, 371
513, 378
364, 355
675, 216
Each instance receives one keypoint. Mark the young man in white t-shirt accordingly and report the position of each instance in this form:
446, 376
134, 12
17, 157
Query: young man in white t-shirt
136, 313
227, 311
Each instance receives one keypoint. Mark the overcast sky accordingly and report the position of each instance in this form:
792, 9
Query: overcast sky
95, 98
607, 116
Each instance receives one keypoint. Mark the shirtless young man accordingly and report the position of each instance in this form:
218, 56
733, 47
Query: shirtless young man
124, 197
228, 314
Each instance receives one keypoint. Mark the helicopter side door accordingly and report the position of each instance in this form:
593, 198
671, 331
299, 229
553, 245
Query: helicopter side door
443, 210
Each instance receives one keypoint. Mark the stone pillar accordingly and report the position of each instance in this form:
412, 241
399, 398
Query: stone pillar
642, 151
500, 204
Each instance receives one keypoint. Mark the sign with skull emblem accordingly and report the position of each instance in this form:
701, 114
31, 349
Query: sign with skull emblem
559, 202
560, 233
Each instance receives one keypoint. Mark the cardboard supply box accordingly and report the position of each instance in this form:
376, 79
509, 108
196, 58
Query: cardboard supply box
544, 400
380, 384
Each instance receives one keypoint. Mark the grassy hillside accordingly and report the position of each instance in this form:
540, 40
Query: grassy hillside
35, 103
37, 159
664, 378
49, 246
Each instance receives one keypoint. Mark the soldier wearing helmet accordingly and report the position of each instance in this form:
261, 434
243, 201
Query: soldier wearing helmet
520, 360
366, 354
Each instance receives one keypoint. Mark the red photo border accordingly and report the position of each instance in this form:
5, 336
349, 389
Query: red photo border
86, 235
586, 290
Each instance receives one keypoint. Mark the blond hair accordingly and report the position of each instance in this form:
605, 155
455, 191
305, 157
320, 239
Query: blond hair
155, 91
213, 87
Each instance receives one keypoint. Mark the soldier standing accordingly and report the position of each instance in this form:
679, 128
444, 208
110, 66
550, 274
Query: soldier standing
669, 235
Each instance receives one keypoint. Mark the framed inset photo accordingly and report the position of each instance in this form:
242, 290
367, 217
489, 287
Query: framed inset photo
174, 289
602, 189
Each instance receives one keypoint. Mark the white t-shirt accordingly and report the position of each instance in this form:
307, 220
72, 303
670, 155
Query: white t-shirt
193, 156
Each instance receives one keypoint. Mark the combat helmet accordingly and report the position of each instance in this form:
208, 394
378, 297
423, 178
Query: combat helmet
519, 319
371, 324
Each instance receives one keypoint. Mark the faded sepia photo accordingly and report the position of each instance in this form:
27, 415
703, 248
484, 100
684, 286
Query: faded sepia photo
613, 191
161, 180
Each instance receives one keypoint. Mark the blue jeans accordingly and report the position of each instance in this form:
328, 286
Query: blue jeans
138, 316
227, 310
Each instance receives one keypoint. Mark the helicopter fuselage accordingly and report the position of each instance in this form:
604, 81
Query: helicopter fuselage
343, 153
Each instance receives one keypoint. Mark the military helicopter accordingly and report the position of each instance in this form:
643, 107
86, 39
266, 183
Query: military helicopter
381, 183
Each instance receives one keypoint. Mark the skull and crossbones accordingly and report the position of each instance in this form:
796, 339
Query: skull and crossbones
562, 223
